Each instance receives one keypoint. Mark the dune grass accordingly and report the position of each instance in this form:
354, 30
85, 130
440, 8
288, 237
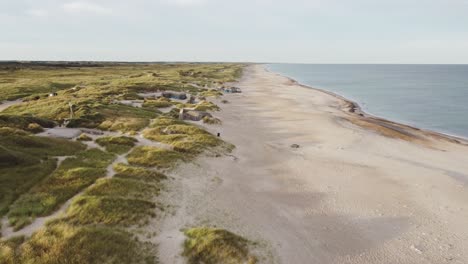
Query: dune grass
60, 243
71, 177
40, 147
201, 106
9, 250
124, 118
211, 120
158, 103
125, 171
184, 137
16, 181
125, 188
25, 122
84, 137
154, 157
210, 93
117, 145
109, 210
32, 186
26, 160
213, 246
115, 201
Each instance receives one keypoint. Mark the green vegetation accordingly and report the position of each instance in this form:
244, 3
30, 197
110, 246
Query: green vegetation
95, 227
26, 160
9, 250
154, 157
201, 106
212, 246
84, 137
124, 118
125, 188
117, 145
206, 106
122, 201
73, 175
109, 210
182, 136
137, 173
158, 103
63, 243
211, 93
92, 91
211, 120
28, 123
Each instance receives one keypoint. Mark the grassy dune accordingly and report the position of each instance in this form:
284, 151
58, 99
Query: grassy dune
63, 243
96, 227
117, 145
154, 157
26, 160
137, 173
212, 246
73, 175
184, 137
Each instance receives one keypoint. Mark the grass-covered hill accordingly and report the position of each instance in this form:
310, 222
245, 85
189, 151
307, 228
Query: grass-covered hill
107, 183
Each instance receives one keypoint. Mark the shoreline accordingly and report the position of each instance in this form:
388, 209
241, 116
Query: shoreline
353, 108
345, 194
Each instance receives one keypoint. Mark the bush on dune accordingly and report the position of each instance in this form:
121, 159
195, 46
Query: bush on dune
154, 157
28, 123
126, 188
117, 145
183, 137
211, 246
63, 243
125, 171
109, 210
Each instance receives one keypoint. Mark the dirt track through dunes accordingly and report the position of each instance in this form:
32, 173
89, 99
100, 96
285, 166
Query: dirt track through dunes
347, 195
4, 105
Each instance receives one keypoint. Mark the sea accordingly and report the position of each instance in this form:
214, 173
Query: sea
433, 97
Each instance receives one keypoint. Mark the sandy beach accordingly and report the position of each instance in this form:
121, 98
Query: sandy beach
359, 189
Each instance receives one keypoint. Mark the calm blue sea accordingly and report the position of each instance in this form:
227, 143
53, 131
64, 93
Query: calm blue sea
433, 97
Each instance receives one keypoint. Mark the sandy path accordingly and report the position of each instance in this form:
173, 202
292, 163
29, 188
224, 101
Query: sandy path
4, 105
347, 195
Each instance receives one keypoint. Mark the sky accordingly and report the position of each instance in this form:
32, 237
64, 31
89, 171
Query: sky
292, 31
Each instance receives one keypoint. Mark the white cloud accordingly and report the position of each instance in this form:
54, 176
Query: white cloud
86, 7
185, 3
37, 12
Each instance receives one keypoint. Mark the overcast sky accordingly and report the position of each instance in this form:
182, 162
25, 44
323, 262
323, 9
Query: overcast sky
304, 31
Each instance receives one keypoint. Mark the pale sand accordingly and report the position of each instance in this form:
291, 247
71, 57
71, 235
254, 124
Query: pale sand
4, 105
347, 195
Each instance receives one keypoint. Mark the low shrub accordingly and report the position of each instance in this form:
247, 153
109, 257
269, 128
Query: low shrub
183, 137
117, 145
154, 157
125, 171
34, 128
159, 103
63, 243
24, 122
212, 246
109, 210
84, 137
121, 187
211, 120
